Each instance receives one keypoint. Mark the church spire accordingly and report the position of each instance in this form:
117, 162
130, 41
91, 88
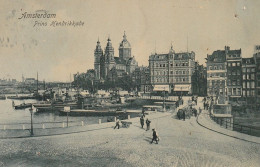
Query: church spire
124, 37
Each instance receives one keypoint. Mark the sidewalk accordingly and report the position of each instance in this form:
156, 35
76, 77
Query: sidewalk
205, 121
7, 134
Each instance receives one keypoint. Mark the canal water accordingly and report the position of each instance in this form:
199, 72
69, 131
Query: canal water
9, 116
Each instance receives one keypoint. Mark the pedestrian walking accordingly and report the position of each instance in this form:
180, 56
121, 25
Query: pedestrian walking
142, 121
117, 124
148, 122
183, 114
155, 136
200, 110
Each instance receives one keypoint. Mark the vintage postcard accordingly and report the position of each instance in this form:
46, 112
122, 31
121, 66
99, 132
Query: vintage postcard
130, 83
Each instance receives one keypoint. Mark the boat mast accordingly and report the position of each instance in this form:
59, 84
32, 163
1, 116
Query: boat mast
37, 82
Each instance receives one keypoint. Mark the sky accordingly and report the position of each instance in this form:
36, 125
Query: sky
201, 26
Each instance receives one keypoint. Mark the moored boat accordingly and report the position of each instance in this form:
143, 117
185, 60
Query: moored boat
23, 106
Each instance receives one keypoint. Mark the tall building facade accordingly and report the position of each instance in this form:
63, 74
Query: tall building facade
234, 71
199, 80
216, 75
173, 70
109, 67
249, 80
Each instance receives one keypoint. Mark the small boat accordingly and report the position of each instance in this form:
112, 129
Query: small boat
2, 97
23, 106
21, 97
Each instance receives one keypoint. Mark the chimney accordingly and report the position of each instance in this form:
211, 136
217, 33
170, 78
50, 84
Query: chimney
227, 48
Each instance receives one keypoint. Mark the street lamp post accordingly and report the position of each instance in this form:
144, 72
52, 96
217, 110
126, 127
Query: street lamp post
31, 111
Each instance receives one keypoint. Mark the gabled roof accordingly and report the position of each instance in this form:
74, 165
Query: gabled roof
217, 56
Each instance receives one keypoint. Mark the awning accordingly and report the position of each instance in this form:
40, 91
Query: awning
182, 88
161, 88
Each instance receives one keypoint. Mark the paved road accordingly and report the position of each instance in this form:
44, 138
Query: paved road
183, 143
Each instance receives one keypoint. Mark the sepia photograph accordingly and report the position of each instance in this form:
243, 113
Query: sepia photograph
130, 83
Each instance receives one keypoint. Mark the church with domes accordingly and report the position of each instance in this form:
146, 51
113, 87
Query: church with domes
109, 67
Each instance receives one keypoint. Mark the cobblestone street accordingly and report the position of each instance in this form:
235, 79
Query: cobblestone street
182, 143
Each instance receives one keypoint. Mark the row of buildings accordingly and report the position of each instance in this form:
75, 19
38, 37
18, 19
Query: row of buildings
171, 72
227, 75
233, 78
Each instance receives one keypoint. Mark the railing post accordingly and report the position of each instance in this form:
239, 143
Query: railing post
43, 126
128, 116
99, 121
63, 125
82, 123
23, 127
4, 127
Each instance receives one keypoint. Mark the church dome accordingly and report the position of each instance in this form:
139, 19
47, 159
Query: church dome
125, 43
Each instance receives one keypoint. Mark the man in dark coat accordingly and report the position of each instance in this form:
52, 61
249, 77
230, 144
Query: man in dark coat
142, 121
155, 137
183, 114
148, 122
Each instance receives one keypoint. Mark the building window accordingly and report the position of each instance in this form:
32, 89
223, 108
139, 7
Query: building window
220, 67
171, 65
253, 76
248, 70
238, 64
234, 91
238, 91
233, 64
238, 81
248, 84
244, 93
171, 72
215, 67
252, 84
252, 92
229, 64
210, 67
183, 72
176, 72
244, 69
253, 69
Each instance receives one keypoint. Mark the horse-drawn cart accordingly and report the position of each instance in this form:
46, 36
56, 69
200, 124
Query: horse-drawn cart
126, 124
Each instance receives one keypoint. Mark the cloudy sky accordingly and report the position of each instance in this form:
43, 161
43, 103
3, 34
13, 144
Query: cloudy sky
57, 52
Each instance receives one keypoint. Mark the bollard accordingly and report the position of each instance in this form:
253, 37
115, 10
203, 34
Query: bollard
128, 117
4, 127
43, 127
115, 119
23, 127
63, 125
82, 123
99, 121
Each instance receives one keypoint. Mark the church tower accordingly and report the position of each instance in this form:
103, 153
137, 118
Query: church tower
124, 49
98, 53
109, 57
